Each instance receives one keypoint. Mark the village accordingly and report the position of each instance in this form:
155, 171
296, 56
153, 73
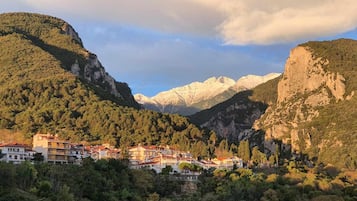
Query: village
49, 148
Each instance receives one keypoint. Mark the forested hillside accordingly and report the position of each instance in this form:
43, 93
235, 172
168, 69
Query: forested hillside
113, 180
49, 83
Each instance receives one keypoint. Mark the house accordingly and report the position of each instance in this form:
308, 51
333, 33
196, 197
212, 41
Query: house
143, 153
157, 157
53, 149
77, 153
228, 163
16, 153
206, 164
103, 152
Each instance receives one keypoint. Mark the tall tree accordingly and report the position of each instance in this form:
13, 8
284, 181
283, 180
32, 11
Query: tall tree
244, 150
257, 156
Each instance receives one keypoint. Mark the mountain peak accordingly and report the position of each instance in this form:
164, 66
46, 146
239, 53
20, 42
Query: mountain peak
196, 96
57, 38
220, 79
251, 81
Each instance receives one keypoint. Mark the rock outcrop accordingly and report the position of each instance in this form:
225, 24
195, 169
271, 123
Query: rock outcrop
304, 74
304, 88
94, 72
69, 30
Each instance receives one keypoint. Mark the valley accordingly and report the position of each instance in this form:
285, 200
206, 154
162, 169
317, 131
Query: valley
288, 136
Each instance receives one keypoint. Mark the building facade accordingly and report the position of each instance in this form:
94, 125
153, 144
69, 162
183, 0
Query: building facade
15, 153
52, 148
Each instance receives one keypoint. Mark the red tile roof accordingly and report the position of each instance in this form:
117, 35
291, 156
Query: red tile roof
14, 145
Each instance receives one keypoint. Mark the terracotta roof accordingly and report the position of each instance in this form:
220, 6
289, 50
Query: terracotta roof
14, 145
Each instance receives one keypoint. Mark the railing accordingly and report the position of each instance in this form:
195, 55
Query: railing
57, 158
58, 147
58, 152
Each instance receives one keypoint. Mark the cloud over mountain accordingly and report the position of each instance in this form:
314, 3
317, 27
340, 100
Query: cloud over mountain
237, 22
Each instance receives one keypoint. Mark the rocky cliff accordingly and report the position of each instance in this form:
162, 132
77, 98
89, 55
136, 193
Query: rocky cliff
93, 71
304, 88
313, 86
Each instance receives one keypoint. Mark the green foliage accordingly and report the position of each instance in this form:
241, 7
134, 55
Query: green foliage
242, 98
26, 175
267, 92
244, 150
113, 180
257, 156
189, 166
103, 180
7, 175
244, 184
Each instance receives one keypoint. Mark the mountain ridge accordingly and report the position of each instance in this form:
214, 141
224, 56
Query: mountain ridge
196, 96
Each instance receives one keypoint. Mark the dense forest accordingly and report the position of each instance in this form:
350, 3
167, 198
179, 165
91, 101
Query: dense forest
112, 180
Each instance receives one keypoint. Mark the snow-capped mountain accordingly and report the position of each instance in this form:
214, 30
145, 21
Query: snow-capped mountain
191, 98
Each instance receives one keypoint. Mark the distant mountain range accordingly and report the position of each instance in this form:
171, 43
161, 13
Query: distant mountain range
196, 96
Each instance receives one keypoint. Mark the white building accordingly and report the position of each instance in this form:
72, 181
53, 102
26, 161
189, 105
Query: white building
16, 153
77, 153
228, 163
103, 152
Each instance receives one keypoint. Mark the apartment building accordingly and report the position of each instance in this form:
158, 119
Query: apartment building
53, 149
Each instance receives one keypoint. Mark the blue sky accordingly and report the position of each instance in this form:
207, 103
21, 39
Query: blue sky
155, 45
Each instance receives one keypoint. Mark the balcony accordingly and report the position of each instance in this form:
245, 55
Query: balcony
58, 152
57, 158
59, 146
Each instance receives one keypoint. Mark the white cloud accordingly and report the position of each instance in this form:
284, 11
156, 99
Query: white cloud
238, 22
181, 16
279, 21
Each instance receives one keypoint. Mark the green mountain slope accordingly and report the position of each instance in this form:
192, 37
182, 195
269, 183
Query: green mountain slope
50, 83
